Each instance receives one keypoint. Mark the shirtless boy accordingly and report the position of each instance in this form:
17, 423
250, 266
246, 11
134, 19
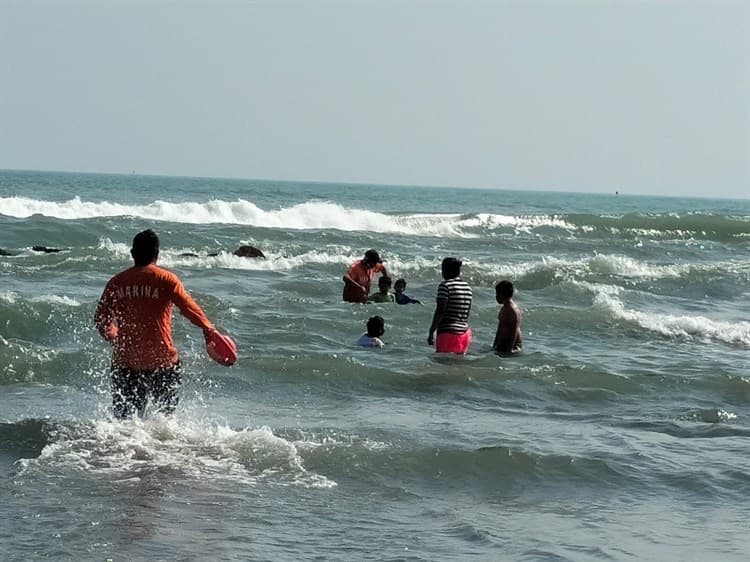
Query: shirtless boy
508, 336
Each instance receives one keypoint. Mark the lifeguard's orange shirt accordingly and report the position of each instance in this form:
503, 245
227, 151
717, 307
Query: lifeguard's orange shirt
363, 275
135, 315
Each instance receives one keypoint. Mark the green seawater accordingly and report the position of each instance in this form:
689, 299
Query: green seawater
620, 433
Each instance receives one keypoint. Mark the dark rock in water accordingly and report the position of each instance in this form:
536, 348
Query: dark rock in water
248, 252
46, 249
242, 251
7, 253
192, 255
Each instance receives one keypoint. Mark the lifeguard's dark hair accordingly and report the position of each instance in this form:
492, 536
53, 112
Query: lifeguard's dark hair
145, 247
375, 326
504, 289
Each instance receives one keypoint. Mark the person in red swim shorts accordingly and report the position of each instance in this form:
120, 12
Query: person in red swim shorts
452, 308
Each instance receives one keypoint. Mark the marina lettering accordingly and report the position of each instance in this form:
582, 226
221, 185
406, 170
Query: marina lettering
138, 291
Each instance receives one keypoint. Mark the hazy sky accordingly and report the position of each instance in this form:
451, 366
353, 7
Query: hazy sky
600, 95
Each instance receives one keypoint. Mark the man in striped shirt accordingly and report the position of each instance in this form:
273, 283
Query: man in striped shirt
451, 311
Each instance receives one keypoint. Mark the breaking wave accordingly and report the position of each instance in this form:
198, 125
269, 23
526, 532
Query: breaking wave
312, 215
607, 300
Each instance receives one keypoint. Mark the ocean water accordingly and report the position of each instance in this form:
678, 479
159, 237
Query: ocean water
621, 433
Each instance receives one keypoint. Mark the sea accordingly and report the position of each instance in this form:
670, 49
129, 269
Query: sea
622, 432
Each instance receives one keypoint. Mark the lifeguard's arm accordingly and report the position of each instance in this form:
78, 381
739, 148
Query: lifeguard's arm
104, 318
189, 308
349, 281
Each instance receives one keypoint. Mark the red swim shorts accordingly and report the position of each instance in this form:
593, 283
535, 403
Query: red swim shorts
453, 343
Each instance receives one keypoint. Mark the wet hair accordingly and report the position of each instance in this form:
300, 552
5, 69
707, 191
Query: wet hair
375, 326
451, 267
400, 282
504, 289
384, 281
372, 258
145, 247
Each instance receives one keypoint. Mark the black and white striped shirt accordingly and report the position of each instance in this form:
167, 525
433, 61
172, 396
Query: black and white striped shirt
456, 294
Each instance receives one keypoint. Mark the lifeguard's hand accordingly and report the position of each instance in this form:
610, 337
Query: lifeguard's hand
112, 333
430, 340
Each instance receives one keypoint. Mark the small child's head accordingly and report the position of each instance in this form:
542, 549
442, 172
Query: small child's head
375, 326
503, 291
384, 284
399, 286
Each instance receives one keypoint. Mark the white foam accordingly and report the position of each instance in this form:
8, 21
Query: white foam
689, 327
614, 265
308, 215
196, 448
623, 266
607, 264
519, 223
274, 261
656, 233
628, 267
285, 259
56, 299
281, 260
117, 248
9, 297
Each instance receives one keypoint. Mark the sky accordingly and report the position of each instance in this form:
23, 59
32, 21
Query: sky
642, 97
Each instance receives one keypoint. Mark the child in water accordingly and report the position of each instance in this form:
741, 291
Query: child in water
508, 336
401, 297
375, 329
383, 294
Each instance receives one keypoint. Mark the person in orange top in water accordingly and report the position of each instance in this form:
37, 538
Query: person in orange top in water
135, 316
359, 276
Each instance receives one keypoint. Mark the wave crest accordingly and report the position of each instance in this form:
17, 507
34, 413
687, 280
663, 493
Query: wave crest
692, 327
311, 215
304, 216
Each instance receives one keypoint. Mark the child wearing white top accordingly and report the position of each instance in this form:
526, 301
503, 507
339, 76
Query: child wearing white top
375, 329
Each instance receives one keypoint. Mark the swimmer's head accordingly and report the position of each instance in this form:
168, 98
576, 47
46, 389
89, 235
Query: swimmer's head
503, 291
375, 326
371, 259
451, 268
145, 248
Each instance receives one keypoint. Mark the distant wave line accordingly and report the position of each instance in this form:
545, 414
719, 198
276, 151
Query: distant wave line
302, 216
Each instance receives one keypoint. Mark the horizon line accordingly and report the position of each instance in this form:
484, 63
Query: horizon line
618, 192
